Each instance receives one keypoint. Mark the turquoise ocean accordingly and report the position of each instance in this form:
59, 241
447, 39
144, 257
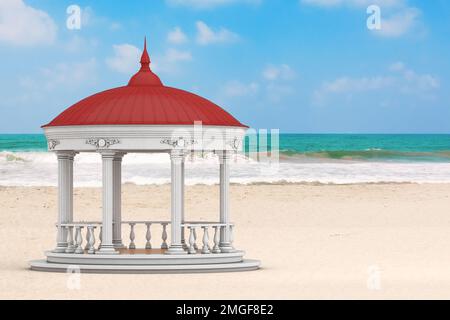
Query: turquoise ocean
303, 158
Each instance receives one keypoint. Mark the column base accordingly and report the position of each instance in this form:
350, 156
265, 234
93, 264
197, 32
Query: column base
175, 249
107, 250
118, 245
70, 249
60, 248
226, 248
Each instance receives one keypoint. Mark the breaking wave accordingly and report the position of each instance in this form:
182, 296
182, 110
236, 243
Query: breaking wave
335, 167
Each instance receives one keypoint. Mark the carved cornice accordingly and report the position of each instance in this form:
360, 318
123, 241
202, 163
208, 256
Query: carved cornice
102, 143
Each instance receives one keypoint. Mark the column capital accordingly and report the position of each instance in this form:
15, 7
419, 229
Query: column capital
65, 155
111, 154
119, 155
177, 155
224, 155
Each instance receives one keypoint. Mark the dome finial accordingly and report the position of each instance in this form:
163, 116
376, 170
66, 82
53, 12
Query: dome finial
145, 76
145, 59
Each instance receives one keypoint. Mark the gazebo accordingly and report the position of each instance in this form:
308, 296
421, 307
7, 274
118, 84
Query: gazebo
143, 116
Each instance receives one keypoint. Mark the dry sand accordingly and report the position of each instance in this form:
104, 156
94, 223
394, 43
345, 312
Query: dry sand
313, 241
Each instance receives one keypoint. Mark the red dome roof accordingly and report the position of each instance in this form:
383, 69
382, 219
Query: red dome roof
144, 101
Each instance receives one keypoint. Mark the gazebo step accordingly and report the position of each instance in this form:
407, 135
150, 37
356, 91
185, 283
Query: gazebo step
244, 265
145, 259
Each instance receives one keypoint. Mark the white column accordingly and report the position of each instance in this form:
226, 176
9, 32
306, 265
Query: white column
225, 243
65, 196
176, 159
108, 157
117, 202
183, 230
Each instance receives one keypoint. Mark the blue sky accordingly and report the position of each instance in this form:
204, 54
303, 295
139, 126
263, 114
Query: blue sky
296, 65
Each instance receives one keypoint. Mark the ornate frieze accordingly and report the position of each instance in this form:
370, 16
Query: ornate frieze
52, 144
102, 143
235, 143
179, 143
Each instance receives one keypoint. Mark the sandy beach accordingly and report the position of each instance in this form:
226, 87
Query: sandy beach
314, 241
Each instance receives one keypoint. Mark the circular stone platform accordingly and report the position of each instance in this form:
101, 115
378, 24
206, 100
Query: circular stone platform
244, 265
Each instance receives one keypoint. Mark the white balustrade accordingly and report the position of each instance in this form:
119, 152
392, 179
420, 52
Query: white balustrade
208, 245
75, 243
148, 225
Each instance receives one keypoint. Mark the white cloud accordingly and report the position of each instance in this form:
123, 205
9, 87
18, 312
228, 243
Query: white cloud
90, 19
399, 24
177, 36
206, 35
274, 86
209, 4
174, 55
281, 72
397, 17
239, 89
277, 92
24, 25
397, 66
62, 77
412, 81
77, 43
400, 79
353, 85
126, 58
354, 3
278, 79
170, 62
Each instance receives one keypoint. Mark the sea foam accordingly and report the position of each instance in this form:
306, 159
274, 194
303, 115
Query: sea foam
40, 169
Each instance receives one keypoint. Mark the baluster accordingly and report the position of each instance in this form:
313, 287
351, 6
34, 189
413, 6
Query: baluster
164, 236
148, 236
183, 240
192, 244
231, 236
216, 248
195, 239
79, 240
91, 239
100, 235
86, 247
70, 245
205, 248
132, 236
